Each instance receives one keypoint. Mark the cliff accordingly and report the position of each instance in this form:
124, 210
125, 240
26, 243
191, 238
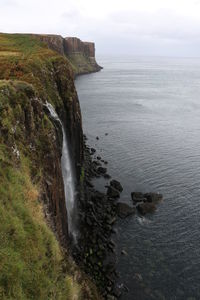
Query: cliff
33, 228
80, 54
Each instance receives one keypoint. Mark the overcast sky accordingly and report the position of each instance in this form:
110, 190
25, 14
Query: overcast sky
137, 27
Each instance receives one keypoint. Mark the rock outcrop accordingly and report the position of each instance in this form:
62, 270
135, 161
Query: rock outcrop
80, 54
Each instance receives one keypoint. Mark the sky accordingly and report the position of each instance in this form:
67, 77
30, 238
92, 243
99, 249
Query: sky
118, 27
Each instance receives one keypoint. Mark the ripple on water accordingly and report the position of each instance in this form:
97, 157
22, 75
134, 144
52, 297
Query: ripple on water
150, 108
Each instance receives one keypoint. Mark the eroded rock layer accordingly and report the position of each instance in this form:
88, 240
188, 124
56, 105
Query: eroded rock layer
81, 54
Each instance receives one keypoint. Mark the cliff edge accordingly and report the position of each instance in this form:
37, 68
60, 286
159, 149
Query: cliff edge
34, 258
80, 54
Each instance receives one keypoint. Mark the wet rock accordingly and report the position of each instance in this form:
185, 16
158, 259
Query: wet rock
115, 231
117, 185
112, 192
92, 150
97, 138
106, 133
123, 252
138, 197
105, 162
124, 210
110, 297
147, 207
138, 277
85, 137
99, 157
96, 163
153, 197
111, 221
107, 176
117, 291
89, 184
101, 170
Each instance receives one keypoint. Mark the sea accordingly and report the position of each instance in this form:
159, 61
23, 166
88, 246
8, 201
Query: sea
150, 109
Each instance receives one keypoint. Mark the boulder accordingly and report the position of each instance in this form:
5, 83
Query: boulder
138, 197
147, 207
106, 176
97, 138
96, 163
123, 252
89, 184
117, 185
101, 170
153, 197
92, 150
124, 210
112, 192
99, 157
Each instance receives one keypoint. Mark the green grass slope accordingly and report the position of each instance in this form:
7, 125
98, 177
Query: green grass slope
32, 263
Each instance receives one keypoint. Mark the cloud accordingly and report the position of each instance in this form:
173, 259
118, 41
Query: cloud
134, 27
4, 3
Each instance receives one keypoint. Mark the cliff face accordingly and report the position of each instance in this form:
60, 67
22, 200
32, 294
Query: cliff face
80, 54
32, 202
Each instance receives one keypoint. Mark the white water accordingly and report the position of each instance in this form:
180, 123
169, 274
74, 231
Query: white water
68, 177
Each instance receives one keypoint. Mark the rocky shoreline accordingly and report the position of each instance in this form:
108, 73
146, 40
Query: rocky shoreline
98, 212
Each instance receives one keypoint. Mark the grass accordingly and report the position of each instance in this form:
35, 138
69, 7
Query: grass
32, 263
80, 63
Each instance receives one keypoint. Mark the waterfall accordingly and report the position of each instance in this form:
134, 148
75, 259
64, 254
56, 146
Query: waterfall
68, 177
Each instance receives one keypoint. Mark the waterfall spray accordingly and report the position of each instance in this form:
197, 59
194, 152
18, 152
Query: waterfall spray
68, 177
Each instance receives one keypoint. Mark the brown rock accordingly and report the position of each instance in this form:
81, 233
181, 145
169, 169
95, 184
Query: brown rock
124, 210
145, 208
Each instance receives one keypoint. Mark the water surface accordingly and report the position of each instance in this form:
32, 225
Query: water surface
150, 108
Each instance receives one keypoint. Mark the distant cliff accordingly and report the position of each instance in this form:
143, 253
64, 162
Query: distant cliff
80, 54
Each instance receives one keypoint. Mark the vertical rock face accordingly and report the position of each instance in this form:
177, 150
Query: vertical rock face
73, 45
55, 42
80, 54
43, 76
89, 49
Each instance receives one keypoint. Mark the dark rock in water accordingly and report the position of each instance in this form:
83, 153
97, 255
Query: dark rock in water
123, 252
107, 176
89, 184
106, 133
99, 157
147, 207
92, 150
97, 138
138, 277
111, 221
124, 210
85, 137
117, 185
105, 162
138, 197
96, 163
112, 192
153, 197
117, 291
101, 170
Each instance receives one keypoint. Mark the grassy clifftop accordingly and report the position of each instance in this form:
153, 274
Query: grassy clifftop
33, 265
